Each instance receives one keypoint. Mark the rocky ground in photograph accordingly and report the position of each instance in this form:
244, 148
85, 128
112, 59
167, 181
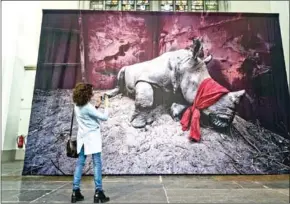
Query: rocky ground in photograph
162, 148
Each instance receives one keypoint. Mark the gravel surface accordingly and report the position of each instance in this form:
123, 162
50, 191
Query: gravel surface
162, 148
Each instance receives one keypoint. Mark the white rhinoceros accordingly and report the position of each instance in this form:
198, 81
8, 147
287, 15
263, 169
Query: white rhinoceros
181, 70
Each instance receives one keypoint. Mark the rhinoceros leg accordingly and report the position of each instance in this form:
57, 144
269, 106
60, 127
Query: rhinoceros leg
144, 98
176, 110
120, 84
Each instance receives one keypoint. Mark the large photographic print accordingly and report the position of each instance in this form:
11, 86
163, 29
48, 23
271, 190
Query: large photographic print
166, 74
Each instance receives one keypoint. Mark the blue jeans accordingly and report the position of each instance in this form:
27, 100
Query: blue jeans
97, 161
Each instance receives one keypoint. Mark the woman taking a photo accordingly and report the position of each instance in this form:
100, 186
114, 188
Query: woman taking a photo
89, 139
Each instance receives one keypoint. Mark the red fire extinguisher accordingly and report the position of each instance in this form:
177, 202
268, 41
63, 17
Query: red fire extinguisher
20, 141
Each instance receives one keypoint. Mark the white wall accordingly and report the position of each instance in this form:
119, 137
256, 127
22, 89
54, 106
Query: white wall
11, 64
21, 24
27, 87
282, 7
249, 6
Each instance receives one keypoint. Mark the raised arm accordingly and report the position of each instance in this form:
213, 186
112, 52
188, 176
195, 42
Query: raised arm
98, 115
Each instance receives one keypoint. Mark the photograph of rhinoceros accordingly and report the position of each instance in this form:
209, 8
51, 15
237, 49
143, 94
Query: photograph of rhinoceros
190, 93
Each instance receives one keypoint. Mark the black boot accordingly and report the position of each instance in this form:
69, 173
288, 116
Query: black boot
100, 197
76, 196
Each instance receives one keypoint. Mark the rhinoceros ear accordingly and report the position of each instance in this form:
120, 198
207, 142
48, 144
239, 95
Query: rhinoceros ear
196, 48
236, 96
207, 59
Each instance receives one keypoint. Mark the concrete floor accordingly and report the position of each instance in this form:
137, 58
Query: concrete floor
146, 189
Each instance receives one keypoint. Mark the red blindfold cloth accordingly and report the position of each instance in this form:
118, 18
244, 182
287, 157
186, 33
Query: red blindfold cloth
208, 93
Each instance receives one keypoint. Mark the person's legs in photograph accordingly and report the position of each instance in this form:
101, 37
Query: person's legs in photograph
99, 193
76, 195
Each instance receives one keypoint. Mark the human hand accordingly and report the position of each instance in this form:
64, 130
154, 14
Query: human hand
98, 102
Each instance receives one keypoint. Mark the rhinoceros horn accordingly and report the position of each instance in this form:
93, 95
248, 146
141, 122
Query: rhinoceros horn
236, 96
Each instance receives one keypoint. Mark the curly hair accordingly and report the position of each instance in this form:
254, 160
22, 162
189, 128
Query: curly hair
82, 94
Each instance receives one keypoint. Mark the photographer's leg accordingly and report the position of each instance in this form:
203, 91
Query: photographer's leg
99, 193
77, 196
97, 162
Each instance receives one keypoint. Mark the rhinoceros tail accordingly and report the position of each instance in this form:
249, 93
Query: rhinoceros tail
120, 84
